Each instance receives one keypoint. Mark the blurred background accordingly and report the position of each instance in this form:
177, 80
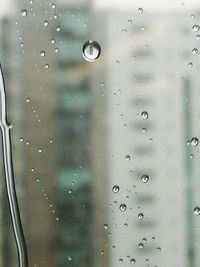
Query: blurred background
106, 154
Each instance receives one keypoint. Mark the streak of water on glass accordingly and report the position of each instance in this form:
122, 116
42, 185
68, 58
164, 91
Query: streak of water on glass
9, 177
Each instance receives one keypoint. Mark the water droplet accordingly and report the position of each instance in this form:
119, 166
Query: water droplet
132, 260
194, 51
144, 130
42, 53
28, 99
21, 139
197, 211
23, 12
46, 66
130, 21
190, 64
188, 143
53, 41
144, 240
58, 29
144, 115
145, 178
122, 207
140, 10
124, 31
91, 51
37, 180
40, 150
140, 216
158, 248
194, 141
141, 245
121, 260
56, 50
53, 5
105, 226
115, 189
195, 28
46, 23
127, 157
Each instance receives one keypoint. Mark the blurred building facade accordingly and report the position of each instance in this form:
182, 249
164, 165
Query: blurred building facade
148, 93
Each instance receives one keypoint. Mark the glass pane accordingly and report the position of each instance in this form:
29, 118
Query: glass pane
103, 100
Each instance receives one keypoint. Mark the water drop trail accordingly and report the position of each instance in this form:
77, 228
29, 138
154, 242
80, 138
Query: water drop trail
9, 177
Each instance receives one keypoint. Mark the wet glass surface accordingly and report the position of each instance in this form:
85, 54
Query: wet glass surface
103, 99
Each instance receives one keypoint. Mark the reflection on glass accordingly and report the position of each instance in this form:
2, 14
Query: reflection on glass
106, 151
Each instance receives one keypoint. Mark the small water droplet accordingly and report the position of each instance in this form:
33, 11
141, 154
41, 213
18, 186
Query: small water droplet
58, 29
40, 150
140, 10
140, 216
144, 115
127, 157
124, 31
195, 28
122, 207
105, 226
132, 260
194, 51
46, 23
141, 245
130, 21
190, 64
91, 51
194, 141
23, 12
42, 53
145, 178
115, 189
37, 180
53, 5
197, 211
191, 156
53, 41
21, 139
46, 66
